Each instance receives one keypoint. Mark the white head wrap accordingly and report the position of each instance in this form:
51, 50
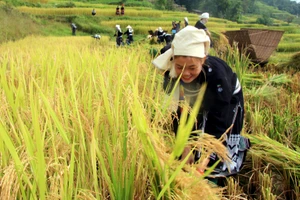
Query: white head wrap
129, 28
186, 19
204, 15
190, 41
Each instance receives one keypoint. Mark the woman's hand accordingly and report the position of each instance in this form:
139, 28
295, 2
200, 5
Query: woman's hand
185, 153
201, 168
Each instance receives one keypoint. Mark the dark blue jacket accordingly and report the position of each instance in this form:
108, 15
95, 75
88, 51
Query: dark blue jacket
219, 100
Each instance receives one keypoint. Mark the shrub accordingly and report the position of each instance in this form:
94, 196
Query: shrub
265, 19
139, 4
66, 5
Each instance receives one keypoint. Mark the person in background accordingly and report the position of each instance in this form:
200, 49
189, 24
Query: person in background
160, 35
201, 24
118, 10
178, 27
223, 103
74, 27
119, 35
93, 12
186, 22
168, 38
174, 28
122, 10
129, 34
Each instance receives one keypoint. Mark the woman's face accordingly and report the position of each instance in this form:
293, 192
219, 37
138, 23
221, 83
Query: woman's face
204, 21
190, 67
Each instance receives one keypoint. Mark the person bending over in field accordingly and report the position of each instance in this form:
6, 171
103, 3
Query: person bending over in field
223, 102
129, 34
201, 24
74, 27
186, 22
119, 35
160, 35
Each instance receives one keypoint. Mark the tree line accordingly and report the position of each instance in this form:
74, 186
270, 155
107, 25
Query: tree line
231, 9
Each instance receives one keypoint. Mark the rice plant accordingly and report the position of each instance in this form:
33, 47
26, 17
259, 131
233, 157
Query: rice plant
82, 121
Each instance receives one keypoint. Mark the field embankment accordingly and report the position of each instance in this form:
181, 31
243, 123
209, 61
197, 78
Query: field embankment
15, 25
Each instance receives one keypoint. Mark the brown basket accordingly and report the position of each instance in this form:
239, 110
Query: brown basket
259, 44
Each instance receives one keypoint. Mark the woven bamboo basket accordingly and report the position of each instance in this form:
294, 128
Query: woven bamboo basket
258, 44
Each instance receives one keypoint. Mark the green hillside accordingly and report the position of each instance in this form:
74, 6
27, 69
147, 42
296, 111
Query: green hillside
54, 18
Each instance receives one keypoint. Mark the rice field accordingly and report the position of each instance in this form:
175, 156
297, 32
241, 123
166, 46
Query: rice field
84, 119
79, 122
87, 11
